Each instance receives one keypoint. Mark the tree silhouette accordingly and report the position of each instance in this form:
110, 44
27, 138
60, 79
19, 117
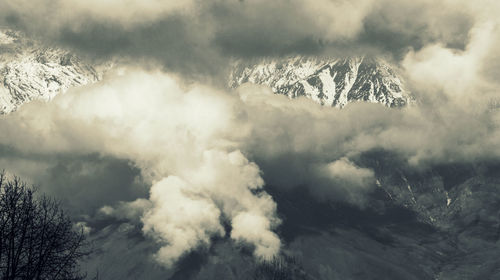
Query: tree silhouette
37, 239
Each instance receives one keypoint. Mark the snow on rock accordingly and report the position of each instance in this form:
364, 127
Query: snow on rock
31, 71
328, 81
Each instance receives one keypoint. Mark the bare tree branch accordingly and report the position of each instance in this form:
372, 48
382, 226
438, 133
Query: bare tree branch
37, 239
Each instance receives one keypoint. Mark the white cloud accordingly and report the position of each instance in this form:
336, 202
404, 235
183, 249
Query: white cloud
181, 219
437, 70
185, 142
188, 211
256, 230
343, 180
198, 146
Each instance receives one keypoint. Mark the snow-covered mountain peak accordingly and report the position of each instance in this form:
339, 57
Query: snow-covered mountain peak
328, 81
30, 70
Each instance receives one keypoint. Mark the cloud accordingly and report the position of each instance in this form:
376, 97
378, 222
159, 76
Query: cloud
456, 75
127, 210
294, 135
185, 213
398, 27
256, 230
198, 38
180, 219
212, 150
337, 180
183, 140
83, 183
188, 211
82, 226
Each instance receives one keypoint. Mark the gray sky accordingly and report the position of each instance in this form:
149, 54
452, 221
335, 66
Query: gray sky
161, 145
196, 38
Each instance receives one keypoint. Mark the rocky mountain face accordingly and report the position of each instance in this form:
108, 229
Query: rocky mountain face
328, 81
439, 224
29, 70
443, 223
457, 203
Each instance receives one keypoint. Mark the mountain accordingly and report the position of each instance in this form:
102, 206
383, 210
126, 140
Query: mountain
29, 70
328, 81
438, 223
442, 223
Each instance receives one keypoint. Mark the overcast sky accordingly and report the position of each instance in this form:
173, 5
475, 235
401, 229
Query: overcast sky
161, 143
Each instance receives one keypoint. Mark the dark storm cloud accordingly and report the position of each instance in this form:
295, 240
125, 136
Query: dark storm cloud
173, 42
196, 37
133, 32
83, 183
176, 145
247, 29
196, 146
86, 183
396, 26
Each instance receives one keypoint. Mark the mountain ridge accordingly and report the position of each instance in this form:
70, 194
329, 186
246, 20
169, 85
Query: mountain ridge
329, 81
29, 70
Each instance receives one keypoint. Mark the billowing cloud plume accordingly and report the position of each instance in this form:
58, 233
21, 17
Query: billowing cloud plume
184, 142
205, 152
188, 211
180, 219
